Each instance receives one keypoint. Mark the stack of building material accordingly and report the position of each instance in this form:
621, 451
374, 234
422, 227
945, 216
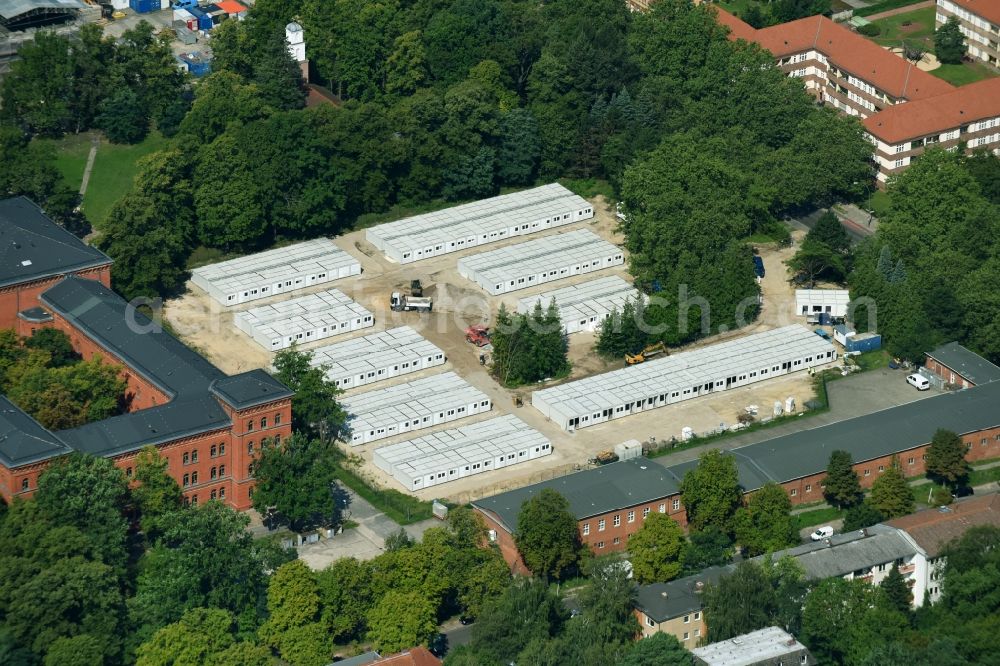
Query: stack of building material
418, 404
303, 320
539, 261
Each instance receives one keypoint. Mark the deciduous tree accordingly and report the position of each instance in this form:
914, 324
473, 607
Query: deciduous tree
157, 493
711, 492
891, 494
949, 42
655, 551
766, 523
296, 476
946, 461
315, 410
401, 620
660, 649
547, 535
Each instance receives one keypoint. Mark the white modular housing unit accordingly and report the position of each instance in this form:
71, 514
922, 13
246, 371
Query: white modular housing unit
303, 320
478, 223
584, 306
539, 261
664, 381
833, 302
372, 358
277, 271
448, 455
418, 404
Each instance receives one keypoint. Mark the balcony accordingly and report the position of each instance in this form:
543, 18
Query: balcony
907, 568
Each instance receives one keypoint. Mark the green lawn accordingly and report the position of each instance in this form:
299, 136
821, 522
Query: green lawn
879, 202
71, 156
915, 28
114, 169
817, 517
967, 72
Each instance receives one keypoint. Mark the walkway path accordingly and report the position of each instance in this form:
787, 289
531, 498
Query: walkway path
901, 10
94, 143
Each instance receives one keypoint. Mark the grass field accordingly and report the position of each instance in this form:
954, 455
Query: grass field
967, 72
71, 156
916, 28
114, 169
821, 516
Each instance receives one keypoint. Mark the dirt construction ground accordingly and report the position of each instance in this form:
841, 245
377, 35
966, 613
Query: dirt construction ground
458, 303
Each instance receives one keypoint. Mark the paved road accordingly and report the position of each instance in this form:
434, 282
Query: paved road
363, 542
850, 397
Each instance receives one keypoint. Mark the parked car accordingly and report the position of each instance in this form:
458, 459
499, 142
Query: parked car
824, 532
918, 381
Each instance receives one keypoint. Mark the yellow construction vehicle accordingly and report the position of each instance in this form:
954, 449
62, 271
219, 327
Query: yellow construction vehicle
651, 350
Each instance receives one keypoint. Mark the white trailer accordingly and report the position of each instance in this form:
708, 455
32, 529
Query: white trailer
683, 376
303, 320
479, 223
372, 358
453, 454
540, 261
585, 306
833, 302
418, 404
278, 271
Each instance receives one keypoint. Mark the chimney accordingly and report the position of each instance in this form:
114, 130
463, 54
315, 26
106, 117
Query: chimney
699, 586
663, 594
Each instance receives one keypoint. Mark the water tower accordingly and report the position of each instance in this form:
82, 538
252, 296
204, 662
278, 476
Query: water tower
297, 47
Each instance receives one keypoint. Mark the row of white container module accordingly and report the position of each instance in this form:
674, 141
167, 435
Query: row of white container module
274, 272
478, 223
372, 358
453, 454
539, 261
584, 307
686, 375
833, 302
422, 403
303, 320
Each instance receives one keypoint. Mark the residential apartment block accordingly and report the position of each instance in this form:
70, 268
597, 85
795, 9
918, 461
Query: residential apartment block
903, 108
207, 425
979, 21
611, 502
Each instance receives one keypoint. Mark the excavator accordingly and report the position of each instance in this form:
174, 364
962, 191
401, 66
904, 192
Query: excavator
648, 352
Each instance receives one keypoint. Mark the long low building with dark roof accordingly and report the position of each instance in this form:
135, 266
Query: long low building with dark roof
207, 425
610, 502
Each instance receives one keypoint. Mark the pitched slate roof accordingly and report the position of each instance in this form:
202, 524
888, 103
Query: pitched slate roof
663, 601
142, 344
932, 529
33, 247
591, 492
967, 363
23, 440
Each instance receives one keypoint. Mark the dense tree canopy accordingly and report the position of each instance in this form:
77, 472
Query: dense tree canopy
547, 534
711, 492
946, 461
655, 551
296, 477
841, 486
528, 348
315, 411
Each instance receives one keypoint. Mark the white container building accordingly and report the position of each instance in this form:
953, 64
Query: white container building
585, 306
372, 358
418, 404
833, 302
453, 454
686, 375
277, 271
478, 223
303, 320
539, 261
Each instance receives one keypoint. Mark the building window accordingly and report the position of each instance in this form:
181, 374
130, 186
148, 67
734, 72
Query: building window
868, 472
187, 480
617, 520
214, 451
809, 488
982, 442
631, 516
263, 422
213, 474
677, 503
663, 507
600, 544
649, 622
186, 458
794, 492
600, 525
697, 633
194, 500
194, 478
250, 471
222, 448
222, 493
686, 635
194, 456
128, 472
24, 485
250, 425
687, 619
645, 512
586, 529
277, 419
277, 440
213, 495
909, 461
697, 616
222, 471
250, 448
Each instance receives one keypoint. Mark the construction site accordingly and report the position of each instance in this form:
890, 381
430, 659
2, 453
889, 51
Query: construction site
397, 412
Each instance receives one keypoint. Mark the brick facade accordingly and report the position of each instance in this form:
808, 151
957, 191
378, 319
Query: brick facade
18, 297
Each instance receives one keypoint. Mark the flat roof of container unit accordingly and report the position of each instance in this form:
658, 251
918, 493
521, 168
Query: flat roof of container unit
376, 350
538, 255
331, 301
766, 645
495, 437
477, 217
412, 400
684, 370
591, 297
274, 265
822, 296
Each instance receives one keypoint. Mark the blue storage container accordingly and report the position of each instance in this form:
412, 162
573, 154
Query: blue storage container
758, 266
864, 342
144, 6
204, 20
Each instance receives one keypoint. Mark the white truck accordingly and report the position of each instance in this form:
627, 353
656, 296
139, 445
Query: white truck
402, 303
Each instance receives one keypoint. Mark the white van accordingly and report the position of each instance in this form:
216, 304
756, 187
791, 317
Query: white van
918, 381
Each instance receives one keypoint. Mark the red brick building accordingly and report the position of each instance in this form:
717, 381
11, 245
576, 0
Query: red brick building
611, 502
958, 366
207, 425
